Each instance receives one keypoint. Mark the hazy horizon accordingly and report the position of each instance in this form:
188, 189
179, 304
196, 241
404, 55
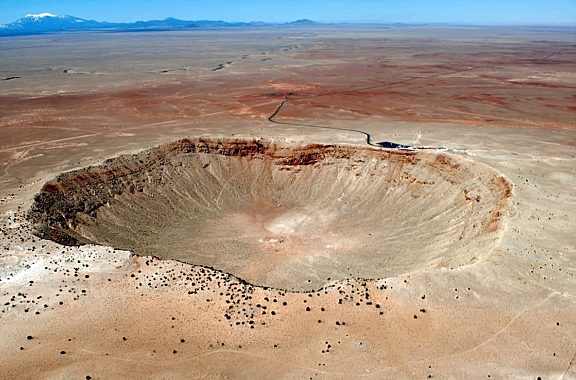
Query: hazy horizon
488, 12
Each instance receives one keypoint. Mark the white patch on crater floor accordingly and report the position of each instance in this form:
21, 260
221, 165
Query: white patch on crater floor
289, 223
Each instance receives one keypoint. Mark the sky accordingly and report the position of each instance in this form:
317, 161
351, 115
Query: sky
486, 12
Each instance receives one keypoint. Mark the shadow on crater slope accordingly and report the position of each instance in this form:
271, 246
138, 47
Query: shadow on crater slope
275, 215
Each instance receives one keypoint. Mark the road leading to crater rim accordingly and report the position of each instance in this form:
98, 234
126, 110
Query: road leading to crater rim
292, 218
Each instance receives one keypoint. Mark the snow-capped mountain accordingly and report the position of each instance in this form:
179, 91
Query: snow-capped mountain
48, 22
51, 23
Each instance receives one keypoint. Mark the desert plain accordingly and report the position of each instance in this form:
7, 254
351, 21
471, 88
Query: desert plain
301, 203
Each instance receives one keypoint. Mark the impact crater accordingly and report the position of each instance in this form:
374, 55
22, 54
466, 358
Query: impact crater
282, 216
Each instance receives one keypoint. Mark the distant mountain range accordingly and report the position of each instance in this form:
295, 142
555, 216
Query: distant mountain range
50, 23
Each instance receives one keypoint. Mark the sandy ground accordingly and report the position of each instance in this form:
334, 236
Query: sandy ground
500, 97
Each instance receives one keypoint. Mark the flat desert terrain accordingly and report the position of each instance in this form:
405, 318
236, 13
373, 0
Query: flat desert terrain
300, 203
